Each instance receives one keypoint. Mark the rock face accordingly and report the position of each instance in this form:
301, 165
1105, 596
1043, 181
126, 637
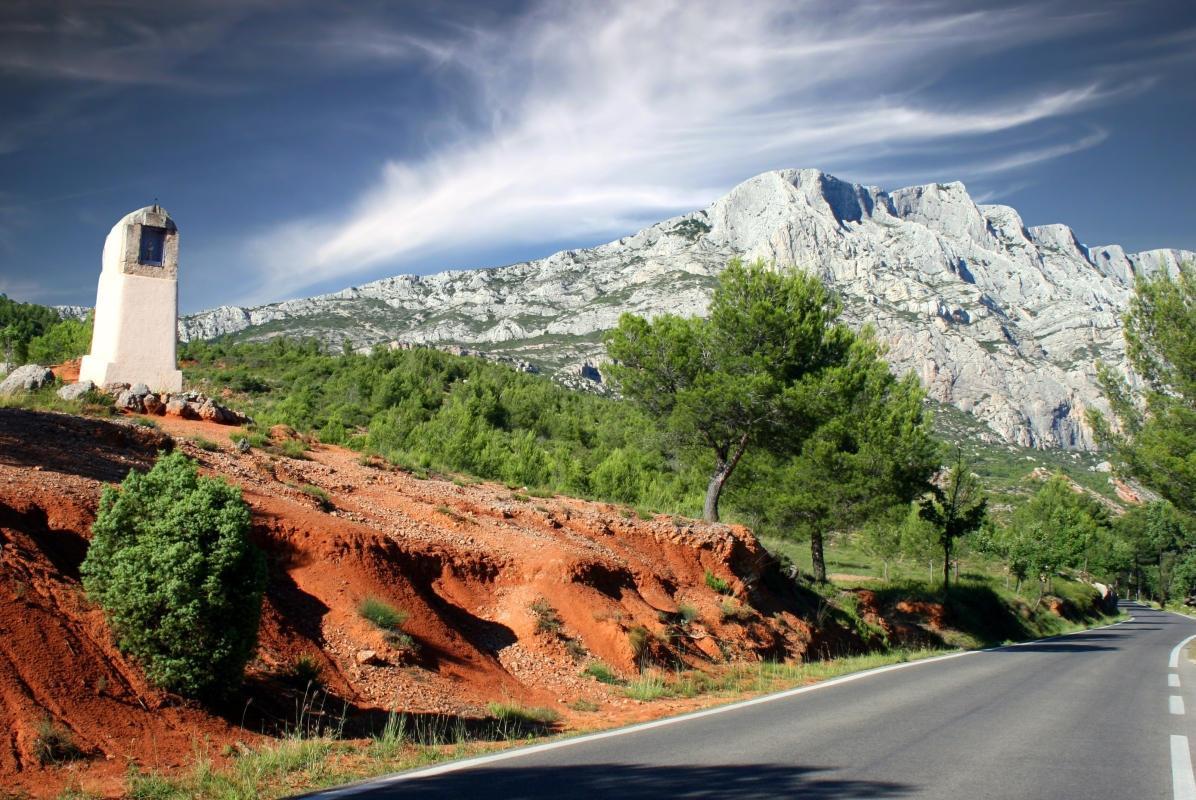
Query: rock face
28, 378
1003, 321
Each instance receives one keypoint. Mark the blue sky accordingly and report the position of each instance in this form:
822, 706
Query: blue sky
308, 146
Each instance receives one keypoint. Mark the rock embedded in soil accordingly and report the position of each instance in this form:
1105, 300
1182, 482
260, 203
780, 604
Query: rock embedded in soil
74, 391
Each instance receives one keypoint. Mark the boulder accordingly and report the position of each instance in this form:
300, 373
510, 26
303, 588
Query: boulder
127, 401
175, 407
210, 412
368, 657
139, 389
28, 378
153, 404
76, 390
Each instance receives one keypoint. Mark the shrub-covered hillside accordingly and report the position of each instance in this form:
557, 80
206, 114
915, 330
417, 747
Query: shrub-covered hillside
427, 409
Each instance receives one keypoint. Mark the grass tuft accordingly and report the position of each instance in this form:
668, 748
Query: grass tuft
381, 613
717, 584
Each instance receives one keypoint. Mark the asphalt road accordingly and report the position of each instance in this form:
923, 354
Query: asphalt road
1089, 715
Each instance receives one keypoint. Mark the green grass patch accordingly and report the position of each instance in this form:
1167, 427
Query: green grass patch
601, 673
381, 613
717, 584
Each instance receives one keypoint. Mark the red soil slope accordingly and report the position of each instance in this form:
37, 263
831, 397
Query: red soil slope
466, 562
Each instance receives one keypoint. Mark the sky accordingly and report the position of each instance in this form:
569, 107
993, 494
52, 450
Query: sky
303, 147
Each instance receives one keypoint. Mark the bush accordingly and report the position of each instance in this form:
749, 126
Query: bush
381, 613
171, 564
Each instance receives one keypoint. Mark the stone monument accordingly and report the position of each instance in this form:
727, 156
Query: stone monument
136, 317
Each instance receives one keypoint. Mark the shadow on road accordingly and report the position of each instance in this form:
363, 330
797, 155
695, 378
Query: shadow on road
641, 782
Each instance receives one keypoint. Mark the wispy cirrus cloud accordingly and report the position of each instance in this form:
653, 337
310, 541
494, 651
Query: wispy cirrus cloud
587, 120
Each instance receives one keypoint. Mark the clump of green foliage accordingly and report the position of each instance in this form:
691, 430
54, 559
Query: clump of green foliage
717, 584
521, 717
303, 672
323, 500
547, 619
639, 638
601, 673
39, 334
171, 564
733, 611
381, 613
427, 410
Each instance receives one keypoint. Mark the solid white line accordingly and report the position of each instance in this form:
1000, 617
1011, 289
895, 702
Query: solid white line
469, 763
1177, 704
1174, 662
1183, 782
1173, 680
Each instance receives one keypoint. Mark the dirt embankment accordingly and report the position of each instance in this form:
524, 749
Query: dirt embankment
465, 562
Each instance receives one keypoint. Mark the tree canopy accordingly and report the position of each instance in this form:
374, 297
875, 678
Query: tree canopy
750, 374
1157, 440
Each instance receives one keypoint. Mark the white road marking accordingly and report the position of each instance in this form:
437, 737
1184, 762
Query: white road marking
1177, 704
1173, 679
1174, 662
1183, 782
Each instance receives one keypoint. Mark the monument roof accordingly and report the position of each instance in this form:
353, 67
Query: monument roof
153, 215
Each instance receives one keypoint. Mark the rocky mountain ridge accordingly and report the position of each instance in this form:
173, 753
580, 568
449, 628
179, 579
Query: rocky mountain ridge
1001, 320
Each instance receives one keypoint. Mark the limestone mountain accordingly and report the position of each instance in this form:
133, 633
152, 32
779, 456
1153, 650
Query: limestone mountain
1001, 320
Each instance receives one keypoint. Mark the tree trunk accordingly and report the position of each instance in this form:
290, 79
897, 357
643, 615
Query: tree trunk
946, 564
885, 565
722, 470
816, 556
713, 490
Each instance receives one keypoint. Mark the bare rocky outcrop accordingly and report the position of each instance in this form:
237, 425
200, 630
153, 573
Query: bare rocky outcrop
1002, 320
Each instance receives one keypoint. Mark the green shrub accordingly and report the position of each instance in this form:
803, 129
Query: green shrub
381, 613
171, 564
207, 445
717, 584
688, 614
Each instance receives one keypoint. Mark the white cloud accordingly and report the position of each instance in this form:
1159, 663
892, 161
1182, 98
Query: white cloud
602, 117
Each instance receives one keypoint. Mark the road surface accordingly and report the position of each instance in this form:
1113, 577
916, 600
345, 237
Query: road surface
1098, 714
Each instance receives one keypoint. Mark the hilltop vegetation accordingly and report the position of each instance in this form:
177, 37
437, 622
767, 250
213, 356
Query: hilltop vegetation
38, 334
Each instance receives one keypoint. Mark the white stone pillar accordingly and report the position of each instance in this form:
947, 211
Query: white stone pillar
136, 318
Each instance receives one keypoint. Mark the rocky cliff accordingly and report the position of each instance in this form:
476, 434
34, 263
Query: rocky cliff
1001, 320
